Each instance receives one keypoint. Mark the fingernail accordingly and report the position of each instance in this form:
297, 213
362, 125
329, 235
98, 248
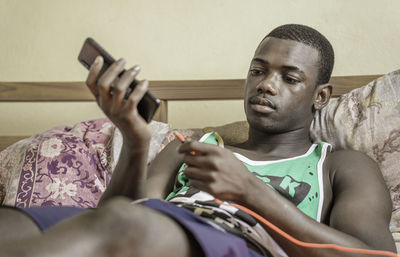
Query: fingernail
144, 83
121, 61
96, 61
134, 70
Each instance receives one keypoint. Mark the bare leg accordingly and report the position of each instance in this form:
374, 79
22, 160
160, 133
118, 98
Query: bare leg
117, 229
15, 225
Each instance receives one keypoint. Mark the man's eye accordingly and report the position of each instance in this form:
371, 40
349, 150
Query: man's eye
291, 80
254, 72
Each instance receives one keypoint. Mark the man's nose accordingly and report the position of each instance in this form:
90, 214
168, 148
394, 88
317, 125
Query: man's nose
267, 86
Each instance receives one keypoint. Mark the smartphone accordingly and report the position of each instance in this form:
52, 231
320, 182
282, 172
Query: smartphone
90, 50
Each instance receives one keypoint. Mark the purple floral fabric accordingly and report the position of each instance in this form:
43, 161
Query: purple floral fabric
62, 166
66, 165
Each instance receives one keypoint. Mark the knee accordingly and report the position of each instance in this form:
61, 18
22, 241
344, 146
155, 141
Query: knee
17, 225
125, 227
115, 204
117, 209
119, 215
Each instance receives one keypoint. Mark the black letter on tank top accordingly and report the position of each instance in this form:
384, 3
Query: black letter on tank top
293, 190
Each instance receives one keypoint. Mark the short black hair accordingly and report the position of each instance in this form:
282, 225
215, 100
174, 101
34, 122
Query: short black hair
313, 38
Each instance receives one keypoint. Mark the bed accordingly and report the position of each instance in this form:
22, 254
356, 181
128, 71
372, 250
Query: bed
363, 115
165, 90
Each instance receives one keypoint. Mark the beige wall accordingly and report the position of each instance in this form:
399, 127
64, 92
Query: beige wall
177, 39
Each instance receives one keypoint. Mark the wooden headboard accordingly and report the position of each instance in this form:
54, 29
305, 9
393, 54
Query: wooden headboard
165, 90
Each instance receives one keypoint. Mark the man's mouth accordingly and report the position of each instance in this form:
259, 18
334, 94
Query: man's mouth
256, 100
261, 105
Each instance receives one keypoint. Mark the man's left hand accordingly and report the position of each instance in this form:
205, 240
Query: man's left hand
216, 170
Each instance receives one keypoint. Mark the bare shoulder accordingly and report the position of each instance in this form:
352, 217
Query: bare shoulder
348, 166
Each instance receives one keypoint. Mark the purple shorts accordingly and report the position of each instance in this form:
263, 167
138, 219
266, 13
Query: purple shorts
47, 216
214, 242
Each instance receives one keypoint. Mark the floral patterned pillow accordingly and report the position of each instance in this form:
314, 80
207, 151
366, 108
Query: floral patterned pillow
62, 166
67, 165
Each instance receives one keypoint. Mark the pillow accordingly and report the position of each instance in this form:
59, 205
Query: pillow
65, 165
192, 133
232, 133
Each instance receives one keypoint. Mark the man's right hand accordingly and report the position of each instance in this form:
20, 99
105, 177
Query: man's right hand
110, 90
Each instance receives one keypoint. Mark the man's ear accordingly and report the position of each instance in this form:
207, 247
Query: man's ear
322, 95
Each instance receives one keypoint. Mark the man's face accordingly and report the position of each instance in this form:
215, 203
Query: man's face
280, 86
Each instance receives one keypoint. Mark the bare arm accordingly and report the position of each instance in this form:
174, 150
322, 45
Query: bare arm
110, 92
359, 191
362, 206
132, 179
359, 217
129, 175
163, 170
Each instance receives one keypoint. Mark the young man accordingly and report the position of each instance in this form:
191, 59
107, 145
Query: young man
311, 193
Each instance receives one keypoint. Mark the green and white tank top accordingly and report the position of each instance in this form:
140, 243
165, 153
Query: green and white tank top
299, 179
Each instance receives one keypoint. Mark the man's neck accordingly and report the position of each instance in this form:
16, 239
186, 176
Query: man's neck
284, 144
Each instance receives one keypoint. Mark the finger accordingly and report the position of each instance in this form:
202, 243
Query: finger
137, 95
198, 147
93, 75
201, 185
110, 75
196, 173
121, 87
200, 161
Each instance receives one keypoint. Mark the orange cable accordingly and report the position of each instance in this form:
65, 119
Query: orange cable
305, 244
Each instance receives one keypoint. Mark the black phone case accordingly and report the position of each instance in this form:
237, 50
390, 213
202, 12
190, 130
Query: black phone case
90, 50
